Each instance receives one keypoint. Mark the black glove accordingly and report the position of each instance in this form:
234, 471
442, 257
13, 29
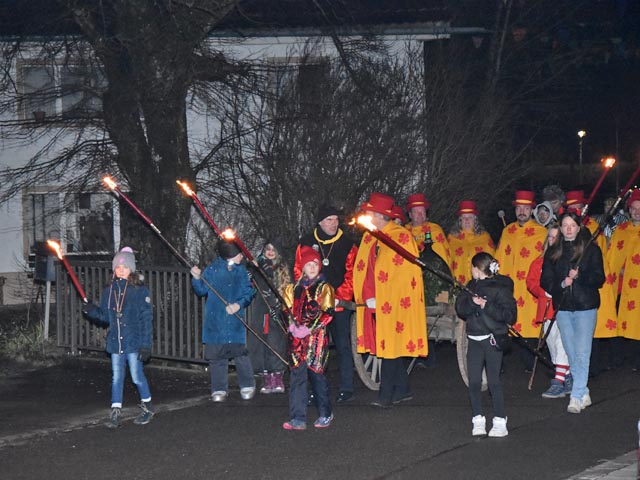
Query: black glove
89, 307
144, 354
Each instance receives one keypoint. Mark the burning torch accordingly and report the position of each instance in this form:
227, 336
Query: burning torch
55, 246
608, 165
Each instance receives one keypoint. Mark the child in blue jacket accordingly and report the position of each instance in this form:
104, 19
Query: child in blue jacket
223, 334
125, 307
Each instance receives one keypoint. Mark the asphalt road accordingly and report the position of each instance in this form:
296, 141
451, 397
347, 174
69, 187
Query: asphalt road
51, 428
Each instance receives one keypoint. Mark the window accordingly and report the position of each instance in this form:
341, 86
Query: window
68, 90
298, 84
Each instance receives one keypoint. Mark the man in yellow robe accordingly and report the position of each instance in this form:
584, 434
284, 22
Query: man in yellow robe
623, 257
466, 239
393, 325
520, 244
417, 208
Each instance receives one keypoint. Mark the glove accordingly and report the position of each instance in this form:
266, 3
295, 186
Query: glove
232, 308
196, 272
301, 332
371, 303
144, 354
89, 307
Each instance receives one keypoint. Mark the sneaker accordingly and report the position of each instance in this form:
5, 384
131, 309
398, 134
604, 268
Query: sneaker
294, 424
556, 390
114, 418
585, 401
267, 383
499, 428
575, 405
402, 398
479, 425
344, 397
147, 414
381, 404
247, 393
277, 384
568, 384
219, 396
323, 422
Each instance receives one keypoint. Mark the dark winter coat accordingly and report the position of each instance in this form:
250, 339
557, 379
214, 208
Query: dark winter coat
234, 286
583, 293
133, 330
499, 312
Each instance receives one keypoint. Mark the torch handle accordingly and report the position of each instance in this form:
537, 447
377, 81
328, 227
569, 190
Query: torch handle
631, 180
74, 279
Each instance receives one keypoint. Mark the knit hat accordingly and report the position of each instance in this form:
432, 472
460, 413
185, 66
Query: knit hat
575, 197
227, 250
524, 197
467, 206
124, 257
398, 214
380, 203
635, 196
417, 200
308, 254
326, 211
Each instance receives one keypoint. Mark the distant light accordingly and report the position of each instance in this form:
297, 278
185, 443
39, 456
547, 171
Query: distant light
608, 162
581, 133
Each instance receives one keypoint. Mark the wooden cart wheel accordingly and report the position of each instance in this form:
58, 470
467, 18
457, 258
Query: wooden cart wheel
367, 366
462, 344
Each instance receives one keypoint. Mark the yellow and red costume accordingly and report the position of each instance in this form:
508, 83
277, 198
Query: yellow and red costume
463, 247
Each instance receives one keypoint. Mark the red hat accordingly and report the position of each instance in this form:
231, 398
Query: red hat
524, 197
380, 203
308, 254
398, 213
635, 196
467, 206
417, 200
575, 196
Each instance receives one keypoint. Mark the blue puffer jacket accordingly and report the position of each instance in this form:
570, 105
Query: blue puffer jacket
132, 331
220, 328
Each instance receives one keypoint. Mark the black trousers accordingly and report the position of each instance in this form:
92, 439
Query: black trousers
482, 354
394, 380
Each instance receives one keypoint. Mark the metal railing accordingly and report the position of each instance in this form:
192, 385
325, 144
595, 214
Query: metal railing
177, 311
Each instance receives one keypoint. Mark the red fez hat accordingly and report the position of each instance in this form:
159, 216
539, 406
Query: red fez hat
467, 206
635, 196
398, 213
380, 203
308, 254
524, 197
575, 196
417, 200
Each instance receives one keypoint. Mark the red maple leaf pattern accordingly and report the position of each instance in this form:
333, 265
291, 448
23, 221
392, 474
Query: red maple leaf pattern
631, 305
399, 327
539, 246
381, 344
633, 283
462, 279
459, 251
624, 226
421, 343
479, 249
620, 244
525, 252
624, 325
360, 340
521, 274
426, 228
403, 238
611, 324
413, 283
636, 259
360, 265
507, 251
405, 302
440, 238
512, 228
517, 327
611, 278
454, 265
383, 276
461, 236
529, 231
368, 238
411, 347
397, 259
386, 308
520, 302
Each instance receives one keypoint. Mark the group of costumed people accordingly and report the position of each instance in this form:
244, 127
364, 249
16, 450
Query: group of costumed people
548, 271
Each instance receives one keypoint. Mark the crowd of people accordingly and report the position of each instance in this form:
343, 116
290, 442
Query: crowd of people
555, 274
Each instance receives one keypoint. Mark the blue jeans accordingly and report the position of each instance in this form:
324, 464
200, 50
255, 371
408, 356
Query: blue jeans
219, 355
576, 330
340, 328
118, 364
299, 395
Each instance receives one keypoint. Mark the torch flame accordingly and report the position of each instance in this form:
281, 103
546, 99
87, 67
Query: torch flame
185, 187
365, 221
609, 162
110, 183
56, 247
228, 234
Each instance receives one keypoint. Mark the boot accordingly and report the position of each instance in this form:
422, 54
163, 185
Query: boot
267, 383
146, 415
499, 428
114, 418
278, 382
479, 425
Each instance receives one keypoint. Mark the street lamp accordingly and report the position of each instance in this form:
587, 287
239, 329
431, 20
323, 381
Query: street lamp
581, 135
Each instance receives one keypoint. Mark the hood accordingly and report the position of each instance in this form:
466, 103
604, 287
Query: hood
552, 217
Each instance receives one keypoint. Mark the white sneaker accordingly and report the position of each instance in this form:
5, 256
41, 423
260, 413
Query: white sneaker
479, 425
219, 396
247, 393
499, 428
585, 401
575, 405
